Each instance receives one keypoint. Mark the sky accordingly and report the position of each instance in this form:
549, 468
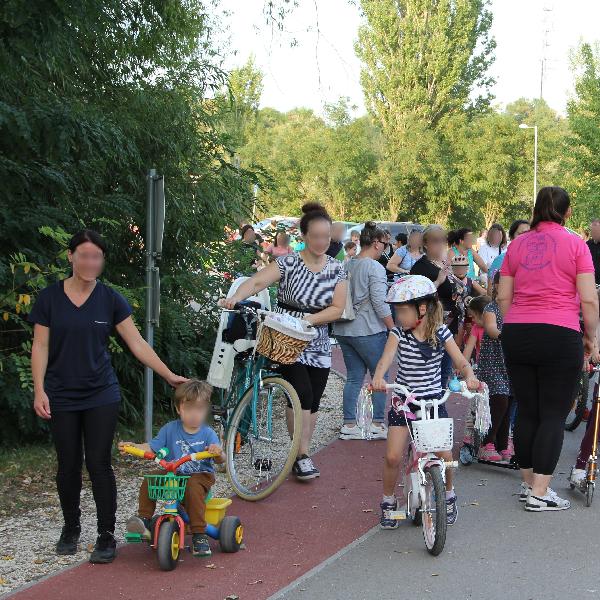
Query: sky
312, 62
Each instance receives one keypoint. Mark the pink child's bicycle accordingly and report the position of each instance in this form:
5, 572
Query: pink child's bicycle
425, 476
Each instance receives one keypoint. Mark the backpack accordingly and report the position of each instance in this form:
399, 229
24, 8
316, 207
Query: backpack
351, 308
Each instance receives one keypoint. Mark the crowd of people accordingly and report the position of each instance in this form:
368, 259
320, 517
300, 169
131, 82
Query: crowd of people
524, 309
510, 303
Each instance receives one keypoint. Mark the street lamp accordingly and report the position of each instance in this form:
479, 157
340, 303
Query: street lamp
535, 144
255, 194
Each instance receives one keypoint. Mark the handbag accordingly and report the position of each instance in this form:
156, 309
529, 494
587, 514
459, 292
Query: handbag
349, 313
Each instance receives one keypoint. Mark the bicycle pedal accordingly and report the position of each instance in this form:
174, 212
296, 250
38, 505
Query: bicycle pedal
264, 464
451, 464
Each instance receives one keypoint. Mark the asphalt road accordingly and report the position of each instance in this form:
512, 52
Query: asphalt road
496, 550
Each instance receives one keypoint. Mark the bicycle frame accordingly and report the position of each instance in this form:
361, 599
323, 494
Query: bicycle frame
419, 461
593, 459
250, 375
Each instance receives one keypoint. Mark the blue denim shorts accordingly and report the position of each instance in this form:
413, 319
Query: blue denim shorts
397, 418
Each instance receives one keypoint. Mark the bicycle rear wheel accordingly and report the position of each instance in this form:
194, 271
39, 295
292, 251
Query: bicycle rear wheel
575, 417
263, 438
434, 510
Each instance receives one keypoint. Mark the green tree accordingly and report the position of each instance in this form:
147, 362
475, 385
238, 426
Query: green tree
95, 93
584, 122
239, 101
422, 61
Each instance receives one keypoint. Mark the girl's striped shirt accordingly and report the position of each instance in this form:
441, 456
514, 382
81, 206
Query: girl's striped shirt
420, 364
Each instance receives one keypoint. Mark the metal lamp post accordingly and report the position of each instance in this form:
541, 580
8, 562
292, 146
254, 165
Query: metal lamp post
155, 224
535, 153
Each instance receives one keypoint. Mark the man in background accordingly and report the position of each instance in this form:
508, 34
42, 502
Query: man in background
336, 246
594, 246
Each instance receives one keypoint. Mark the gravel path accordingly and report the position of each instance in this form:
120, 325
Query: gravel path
27, 542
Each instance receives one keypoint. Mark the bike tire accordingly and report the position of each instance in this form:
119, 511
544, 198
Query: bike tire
575, 417
240, 411
167, 545
589, 494
434, 525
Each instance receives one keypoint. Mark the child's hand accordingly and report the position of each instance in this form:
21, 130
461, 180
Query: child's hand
473, 384
121, 446
379, 384
216, 450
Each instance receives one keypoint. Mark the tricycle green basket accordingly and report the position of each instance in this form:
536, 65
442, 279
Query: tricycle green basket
168, 488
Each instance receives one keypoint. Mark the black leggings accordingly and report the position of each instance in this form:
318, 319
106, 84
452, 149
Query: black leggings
544, 364
500, 411
90, 431
309, 383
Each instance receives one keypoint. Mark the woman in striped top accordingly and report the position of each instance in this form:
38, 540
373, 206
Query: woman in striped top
312, 286
419, 343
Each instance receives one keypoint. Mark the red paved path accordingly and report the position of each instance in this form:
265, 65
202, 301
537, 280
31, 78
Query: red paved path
287, 534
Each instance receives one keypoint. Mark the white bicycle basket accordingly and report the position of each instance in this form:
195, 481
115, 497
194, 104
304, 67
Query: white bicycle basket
433, 435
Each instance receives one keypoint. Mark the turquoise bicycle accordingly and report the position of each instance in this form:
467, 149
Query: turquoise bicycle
259, 413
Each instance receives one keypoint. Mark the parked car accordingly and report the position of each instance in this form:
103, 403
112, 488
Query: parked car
395, 228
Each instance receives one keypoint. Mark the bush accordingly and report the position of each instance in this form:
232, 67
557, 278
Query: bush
94, 94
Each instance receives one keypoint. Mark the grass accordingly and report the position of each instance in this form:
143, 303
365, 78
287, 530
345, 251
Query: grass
27, 478
28, 473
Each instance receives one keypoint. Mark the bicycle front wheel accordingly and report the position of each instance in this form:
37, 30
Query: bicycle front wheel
433, 511
263, 438
577, 412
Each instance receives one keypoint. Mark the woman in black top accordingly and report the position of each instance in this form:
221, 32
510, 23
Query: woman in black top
388, 252
76, 387
433, 265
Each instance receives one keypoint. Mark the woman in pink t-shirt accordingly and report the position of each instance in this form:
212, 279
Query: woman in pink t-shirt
547, 277
281, 247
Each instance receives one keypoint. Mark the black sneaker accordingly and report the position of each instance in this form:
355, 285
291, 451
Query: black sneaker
200, 545
386, 522
304, 468
69, 538
451, 511
105, 549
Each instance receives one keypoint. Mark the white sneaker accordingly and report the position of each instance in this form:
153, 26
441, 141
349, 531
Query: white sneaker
379, 431
577, 477
524, 492
350, 432
550, 501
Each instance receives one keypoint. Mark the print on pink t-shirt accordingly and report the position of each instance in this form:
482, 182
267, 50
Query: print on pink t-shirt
545, 263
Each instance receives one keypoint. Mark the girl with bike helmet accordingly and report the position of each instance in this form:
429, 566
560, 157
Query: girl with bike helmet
419, 342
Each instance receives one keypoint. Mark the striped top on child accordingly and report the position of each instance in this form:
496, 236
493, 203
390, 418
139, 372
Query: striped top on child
420, 364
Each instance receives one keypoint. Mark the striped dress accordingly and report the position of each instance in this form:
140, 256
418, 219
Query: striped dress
300, 287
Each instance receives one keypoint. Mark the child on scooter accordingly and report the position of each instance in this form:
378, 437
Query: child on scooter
185, 435
420, 342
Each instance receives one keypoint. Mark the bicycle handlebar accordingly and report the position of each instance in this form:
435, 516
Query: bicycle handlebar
406, 392
171, 466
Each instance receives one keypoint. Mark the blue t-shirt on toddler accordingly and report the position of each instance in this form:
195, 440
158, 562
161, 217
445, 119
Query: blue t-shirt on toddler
180, 443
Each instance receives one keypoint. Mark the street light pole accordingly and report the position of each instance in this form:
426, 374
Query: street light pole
535, 156
255, 194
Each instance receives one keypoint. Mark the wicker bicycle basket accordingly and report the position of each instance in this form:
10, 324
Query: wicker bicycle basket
280, 343
167, 487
